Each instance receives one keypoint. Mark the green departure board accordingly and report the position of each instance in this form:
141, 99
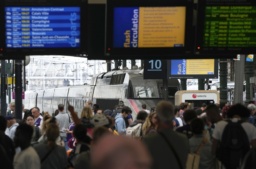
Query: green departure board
229, 27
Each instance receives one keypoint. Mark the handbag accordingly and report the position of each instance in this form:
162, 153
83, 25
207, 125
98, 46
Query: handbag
193, 159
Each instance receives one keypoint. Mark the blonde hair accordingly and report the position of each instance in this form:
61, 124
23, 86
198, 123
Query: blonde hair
46, 119
86, 112
148, 123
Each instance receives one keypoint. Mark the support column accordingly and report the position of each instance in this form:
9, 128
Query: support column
248, 74
124, 63
223, 81
183, 84
239, 79
200, 84
18, 89
3, 89
108, 65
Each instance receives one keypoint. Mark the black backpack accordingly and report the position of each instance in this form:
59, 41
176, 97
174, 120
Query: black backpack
233, 146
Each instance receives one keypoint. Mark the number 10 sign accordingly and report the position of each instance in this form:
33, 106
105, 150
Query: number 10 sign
155, 69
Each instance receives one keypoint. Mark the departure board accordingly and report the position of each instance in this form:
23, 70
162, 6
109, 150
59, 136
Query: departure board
42, 27
230, 26
226, 27
155, 29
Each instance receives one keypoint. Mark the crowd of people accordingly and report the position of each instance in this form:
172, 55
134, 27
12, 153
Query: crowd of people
159, 138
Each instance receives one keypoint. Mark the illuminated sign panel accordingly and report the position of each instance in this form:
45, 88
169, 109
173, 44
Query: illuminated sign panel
42, 27
145, 29
193, 68
227, 27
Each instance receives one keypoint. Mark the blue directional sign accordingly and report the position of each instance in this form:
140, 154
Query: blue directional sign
42, 27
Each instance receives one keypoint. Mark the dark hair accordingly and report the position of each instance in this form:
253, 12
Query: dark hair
80, 133
144, 106
96, 106
213, 113
176, 109
126, 110
52, 132
239, 110
61, 107
99, 132
189, 115
29, 115
142, 115
183, 106
23, 135
197, 126
3, 123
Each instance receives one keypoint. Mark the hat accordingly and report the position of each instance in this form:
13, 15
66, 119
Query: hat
9, 117
109, 112
99, 120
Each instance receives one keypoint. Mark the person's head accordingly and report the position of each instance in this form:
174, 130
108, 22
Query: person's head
238, 110
252, 108
80, 133
176, 110
213, 113
197, 126
183, 106
3, 123
23, 136
100, 120
10, 120
142, 115
52, 132
189, 115
203, 106
121, 153
99, 111
61, 107
165, 114
35, 112
89, 103
30, 120
144, 106
12, 106
86, 112
153, 109
126, 111
95, 107
99, 132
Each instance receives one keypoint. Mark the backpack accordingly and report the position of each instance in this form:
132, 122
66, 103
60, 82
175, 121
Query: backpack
134, 131
233, 146
249, 160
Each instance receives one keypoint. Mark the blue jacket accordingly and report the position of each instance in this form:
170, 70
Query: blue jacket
120, 124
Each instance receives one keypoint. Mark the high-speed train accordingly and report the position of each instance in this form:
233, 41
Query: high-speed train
106, 90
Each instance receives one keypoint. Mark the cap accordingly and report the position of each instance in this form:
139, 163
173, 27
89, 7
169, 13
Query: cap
99, 120
9, 117
109, 112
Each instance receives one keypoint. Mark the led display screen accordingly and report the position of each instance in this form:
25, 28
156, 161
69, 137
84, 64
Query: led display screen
227, 27
193, 68
145, 29
45, 28
42, 27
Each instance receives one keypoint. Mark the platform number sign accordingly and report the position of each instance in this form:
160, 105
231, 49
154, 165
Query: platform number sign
155, 69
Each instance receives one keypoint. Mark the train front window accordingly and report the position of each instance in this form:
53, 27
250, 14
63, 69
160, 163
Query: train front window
145, 92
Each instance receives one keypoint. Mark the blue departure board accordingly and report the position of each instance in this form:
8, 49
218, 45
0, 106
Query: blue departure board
42, 27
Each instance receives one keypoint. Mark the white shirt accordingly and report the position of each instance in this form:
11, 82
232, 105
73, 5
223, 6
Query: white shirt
248, 127
10, 131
